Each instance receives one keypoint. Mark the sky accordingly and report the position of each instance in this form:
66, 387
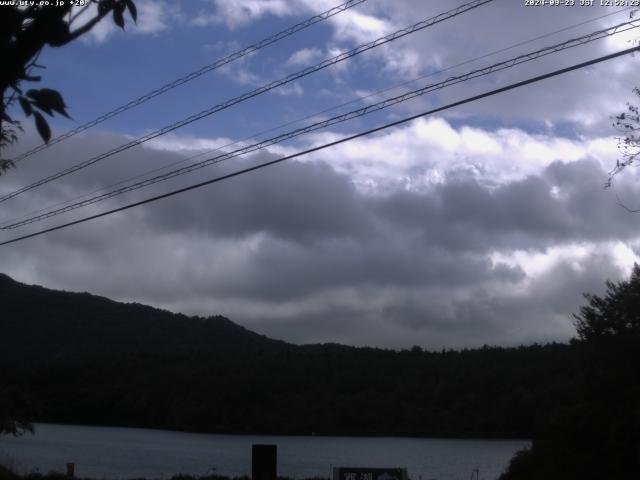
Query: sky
482, 224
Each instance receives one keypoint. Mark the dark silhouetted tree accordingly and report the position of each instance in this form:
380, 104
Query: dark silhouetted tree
24, 32
597, 435
617, 313
15, 412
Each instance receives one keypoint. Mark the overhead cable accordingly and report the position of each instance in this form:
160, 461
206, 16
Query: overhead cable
193, 75
496, 67
331, 144
308, 117
248, 95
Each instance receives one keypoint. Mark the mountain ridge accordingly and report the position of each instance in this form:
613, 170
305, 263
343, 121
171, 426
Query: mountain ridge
84, 359
81, 323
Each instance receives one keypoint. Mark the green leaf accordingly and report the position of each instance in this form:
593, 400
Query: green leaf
26, 106
43, 127
118, 18
132, 10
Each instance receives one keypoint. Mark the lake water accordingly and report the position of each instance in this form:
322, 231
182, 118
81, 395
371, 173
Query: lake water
117, 453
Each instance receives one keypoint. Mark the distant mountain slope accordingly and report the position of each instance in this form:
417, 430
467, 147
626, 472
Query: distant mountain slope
41, 324
80, 358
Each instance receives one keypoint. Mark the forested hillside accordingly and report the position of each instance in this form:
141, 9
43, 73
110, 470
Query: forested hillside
40, 325
80, 358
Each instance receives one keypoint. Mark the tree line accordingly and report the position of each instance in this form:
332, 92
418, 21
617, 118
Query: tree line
79, 358
88, 360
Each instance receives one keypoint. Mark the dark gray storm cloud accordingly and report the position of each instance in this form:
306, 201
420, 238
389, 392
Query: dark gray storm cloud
299, 202
565, 203
298, 252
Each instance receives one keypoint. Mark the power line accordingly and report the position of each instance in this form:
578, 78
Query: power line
6, 223
246, 96
496, 67
331, 144
195, 74
337, 119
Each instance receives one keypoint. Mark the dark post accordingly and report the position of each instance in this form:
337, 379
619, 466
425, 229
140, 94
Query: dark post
264, 462
71, 470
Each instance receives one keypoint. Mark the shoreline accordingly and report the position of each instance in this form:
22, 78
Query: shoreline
284, 435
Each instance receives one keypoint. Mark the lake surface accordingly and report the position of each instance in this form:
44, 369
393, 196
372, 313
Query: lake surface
120, 453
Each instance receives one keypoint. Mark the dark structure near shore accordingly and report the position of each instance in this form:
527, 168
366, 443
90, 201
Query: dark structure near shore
264, 462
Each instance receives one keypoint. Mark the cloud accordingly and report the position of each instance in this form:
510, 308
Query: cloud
310, 194
240, 72
240, 14
482, 225
305, 56
153, 18
303, 252
481, 37
294, 89
427, 150
360, 27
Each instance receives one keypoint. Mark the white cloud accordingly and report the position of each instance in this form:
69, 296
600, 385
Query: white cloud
359, 27
537, 264
625, 257
293, 89
430, 149
153, 18
189, 144
427, 151
606, 86
305, 56
240, 72
239, 14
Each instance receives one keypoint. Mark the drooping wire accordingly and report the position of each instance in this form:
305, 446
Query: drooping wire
313, 115
246, 96
496, 67
195, 74
331, 144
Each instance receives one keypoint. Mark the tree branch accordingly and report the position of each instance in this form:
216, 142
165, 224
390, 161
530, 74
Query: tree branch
630, 210
87, 26
79, 12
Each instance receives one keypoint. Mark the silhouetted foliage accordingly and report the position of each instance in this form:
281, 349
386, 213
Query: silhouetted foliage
597, 435
628, 124
15, 411
24, 32
615, 314
7, 473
